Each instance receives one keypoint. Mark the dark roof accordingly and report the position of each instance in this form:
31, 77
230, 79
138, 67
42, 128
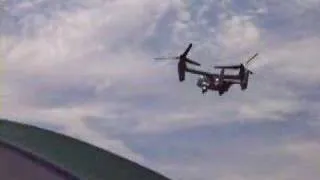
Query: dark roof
18, 164
81, 159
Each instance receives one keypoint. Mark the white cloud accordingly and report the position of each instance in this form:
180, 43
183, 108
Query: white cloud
73, 47
307, 4
270, 109
238, 32
305, 150
281, 160
69, 50
307, 160
183, 13
295, 60
98, 47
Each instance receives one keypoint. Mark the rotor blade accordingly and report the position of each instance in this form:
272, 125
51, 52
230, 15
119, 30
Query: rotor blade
192, 62
254, 56
187, 50
166, 58
228, 67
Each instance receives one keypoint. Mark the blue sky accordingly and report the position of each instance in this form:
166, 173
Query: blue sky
85, 69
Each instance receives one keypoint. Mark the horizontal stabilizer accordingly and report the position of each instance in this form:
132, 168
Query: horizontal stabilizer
228, 67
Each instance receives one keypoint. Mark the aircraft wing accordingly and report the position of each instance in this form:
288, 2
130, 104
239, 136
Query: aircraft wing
204, 73
232, 81
226, 77
231, 77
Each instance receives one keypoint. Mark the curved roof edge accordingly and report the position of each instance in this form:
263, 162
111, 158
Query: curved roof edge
72, 157
39, 160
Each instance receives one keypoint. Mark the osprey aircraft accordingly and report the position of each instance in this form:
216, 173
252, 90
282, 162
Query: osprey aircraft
220, 82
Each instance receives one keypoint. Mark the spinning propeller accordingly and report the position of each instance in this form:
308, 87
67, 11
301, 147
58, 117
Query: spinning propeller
182, 57
240, 66
182, 64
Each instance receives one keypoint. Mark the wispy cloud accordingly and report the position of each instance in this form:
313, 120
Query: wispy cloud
244, 150
86, 67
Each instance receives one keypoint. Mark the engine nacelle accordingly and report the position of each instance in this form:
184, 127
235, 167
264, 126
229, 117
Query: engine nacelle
182, 70
244, 81
221, 78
